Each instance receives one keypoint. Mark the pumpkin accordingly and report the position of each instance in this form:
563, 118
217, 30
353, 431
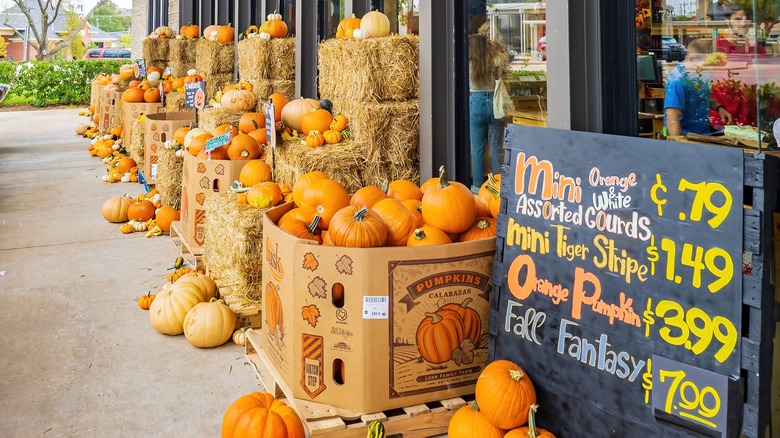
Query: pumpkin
304, 182
203, 282
167, 215
262, 196
127, 228
469, 422
133, 95
209, 324
427, 235
259, 414
243, 147
505, 393
126, 71
302, 230
375, 428
303, 214
238, 100
331, 136
125, 164
261, 137
375, 23
483, 228
141, 210
531, 430
192, 133
180, 133
402, 189
413, 206
253, 172
272, 310
325, 197
448, 205
356, 226
198, 143
490, 193
223, 129
346, 26
314, 139
293, 112
250, 121
115, 209
316, 120
225, 34
439, 334
239, 336
171, 305
399, 221
339, 122
164, 32
368, 196
144, 301
274, 27
279, 100
190, 31
481, 207
472, 323
152, 95
360, 34
218, 153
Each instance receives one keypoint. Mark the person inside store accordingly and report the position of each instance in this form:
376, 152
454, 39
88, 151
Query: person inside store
688, 100
736, 39
485, 67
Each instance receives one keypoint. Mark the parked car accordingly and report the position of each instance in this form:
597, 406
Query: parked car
107, 53
671, 50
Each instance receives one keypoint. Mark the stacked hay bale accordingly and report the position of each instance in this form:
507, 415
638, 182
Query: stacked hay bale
214, 61
342, 162
269, 65
210, 118
182, 55
135, 144
174, 102
156, 52
381, 101
169, 172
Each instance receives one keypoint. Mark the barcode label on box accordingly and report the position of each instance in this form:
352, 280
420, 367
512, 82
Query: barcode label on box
375, 307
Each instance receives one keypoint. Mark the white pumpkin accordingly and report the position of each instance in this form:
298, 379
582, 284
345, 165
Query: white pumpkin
209, 324
376, 23
360, 34
171, 305
194, 132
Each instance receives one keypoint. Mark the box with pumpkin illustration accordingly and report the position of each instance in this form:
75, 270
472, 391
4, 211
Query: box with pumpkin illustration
199, 177
110, 109
159, 128
410, 323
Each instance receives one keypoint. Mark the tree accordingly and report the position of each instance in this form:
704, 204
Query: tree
109, 19
125, 41
3, 48
73, 22
41, 16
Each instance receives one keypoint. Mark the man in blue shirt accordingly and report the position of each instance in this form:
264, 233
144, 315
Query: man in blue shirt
687, 102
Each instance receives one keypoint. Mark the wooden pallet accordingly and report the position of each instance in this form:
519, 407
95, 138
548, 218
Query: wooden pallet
248, 314
323, 421
193, 256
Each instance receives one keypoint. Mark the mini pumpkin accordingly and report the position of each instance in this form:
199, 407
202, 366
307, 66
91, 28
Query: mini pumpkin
347, 26
331, 136
239, 336
145, 301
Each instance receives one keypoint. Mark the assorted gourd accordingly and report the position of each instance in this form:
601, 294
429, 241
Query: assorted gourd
223, 34
373, 24
143, 213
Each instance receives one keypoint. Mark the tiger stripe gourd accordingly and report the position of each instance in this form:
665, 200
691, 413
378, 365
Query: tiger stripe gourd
376, 429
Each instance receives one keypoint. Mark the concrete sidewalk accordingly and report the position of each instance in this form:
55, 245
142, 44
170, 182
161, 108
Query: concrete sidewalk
79, 357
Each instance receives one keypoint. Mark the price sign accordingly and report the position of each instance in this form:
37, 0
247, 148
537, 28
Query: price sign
218, 141
140, 70
620, 272
162, 94
195, 95
270, 125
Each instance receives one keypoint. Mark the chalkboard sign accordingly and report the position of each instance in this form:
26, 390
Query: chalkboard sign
195, 94
141, 71
270, 126
619, 282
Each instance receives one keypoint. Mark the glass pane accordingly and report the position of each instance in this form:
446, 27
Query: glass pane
718, 63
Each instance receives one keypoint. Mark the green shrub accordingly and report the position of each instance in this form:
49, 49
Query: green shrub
54, 82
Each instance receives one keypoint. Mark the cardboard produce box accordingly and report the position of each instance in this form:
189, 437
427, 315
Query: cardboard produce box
354, 328
110, 113
131, 111
159, 127
199, 176
94, 95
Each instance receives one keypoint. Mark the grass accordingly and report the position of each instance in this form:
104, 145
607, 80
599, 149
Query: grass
16, 100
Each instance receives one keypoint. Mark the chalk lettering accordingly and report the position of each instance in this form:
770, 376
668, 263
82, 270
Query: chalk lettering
608, 258
636, 228
522, 281
527, 238
566, 250
597, 353
585, 282
611, 200
524, 326
553, 184
595, 179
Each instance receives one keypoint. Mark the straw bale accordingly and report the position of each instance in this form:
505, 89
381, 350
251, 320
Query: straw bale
390, 128
232, 251
169, 172
253, 54
265, 87
373, 69
214, 58
282, 59
182, 55
342, 162
155, 51
215, 82
174, 102
135, 144
210, 118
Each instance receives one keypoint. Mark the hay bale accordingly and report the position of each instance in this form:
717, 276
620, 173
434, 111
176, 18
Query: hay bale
155, 51
376, 69
282, 59
215, 82
182, 55
214, 58
210, 118
342, 162
135, 144
233, 246
174, 102
260, 59
265, 87
169, 172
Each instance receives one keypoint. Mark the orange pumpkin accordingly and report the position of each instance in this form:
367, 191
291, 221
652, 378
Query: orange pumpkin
347, 26
356, 226
449, 205
293, 112
166, 215
133, 95
339, 122
190, 31
254, 172
402, 189
219, 153
317, 120
398, 219
262, 196
530, 430
505, 394
483, 228
198, 143
226, 34
302, 214
304, 182
260, 414
178, 135
303, 230
239, 100
125, 164
275, 28
279, 100
326, 197
427, 235
251, 121
152, 95
490, 193
413, 206
261, 137
368, 196
221, 129
141, 210
469, 422
243, 147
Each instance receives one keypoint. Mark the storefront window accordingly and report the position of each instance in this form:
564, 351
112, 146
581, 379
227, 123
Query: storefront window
708, 68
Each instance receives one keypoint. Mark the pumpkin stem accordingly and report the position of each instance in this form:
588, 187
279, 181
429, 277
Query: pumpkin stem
443, 181
532, 432
435, 317
254, 122
360, 215
516, 375
482, 224
419, 234
177, 204
312, 227
475, 406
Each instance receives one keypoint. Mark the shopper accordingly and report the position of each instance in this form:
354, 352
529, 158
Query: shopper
688, 100
484, 69
737, 40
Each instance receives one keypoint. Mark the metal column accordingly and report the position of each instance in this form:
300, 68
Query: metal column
358, 7
306, 48
268, 7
